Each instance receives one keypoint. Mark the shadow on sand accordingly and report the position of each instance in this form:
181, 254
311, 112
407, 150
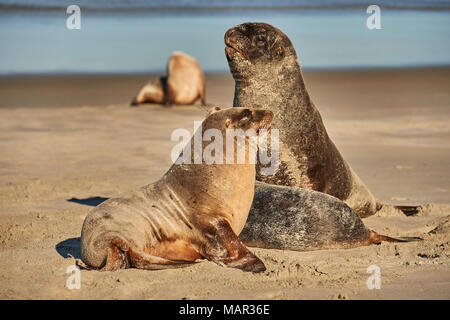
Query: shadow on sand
92, 201
69, 247
72, 246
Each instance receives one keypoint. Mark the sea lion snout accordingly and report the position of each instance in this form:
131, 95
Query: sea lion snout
242, 40
257, 43
255, 119
233, 43
241, 118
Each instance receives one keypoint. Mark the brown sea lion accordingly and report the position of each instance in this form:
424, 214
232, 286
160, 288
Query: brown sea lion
184, 83
293, 218
194, 211
152, 92
185, 80
267, 74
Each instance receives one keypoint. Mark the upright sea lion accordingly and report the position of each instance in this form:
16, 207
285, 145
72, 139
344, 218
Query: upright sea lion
267, 73
292, 218
185, 80
194, 211
184, 83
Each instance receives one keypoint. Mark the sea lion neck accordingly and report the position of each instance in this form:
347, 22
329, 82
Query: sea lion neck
226, 189
206, 177
278, 86
202, 177
223, 187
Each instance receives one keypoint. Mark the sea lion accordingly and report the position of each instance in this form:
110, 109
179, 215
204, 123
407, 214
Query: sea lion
292, 218
194, 211
184, 83
185, 80
267, 73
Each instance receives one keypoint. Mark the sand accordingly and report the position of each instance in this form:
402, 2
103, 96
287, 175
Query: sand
69, 142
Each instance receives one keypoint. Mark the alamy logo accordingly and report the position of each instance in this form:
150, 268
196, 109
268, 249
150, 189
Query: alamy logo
74, 20
374, 20
74, 280
186, 152
374, 281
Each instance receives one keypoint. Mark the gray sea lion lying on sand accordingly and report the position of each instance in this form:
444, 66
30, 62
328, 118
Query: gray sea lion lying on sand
298, 219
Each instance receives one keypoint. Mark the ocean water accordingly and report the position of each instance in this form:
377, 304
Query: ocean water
139, 35
222, 4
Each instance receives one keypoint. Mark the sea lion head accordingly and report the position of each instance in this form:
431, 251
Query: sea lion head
254, 45
237, 118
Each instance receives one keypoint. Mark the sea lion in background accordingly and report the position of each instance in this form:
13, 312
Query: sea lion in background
152, 92
185, 80
267, 73
292, 218
194, 211
184, 83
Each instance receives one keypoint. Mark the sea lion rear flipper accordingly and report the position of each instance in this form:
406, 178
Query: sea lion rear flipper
121, 256
225, 248
409, 210
377, 238
405, 239
142, 260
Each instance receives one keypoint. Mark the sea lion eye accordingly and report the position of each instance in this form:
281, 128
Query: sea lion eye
260, 40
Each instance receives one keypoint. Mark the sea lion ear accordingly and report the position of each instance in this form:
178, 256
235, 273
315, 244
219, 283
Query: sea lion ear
212, 110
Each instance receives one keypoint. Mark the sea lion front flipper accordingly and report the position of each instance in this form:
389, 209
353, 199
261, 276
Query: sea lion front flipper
225, 248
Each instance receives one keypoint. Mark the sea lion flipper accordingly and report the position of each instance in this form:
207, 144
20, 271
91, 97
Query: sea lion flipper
121, 256
225, 248
409, 210
142, 260
378, 238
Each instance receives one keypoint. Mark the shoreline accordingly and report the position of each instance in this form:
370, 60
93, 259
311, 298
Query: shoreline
62, 89
367, 68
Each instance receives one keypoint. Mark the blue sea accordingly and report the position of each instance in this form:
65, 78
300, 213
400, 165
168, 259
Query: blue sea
139, 35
